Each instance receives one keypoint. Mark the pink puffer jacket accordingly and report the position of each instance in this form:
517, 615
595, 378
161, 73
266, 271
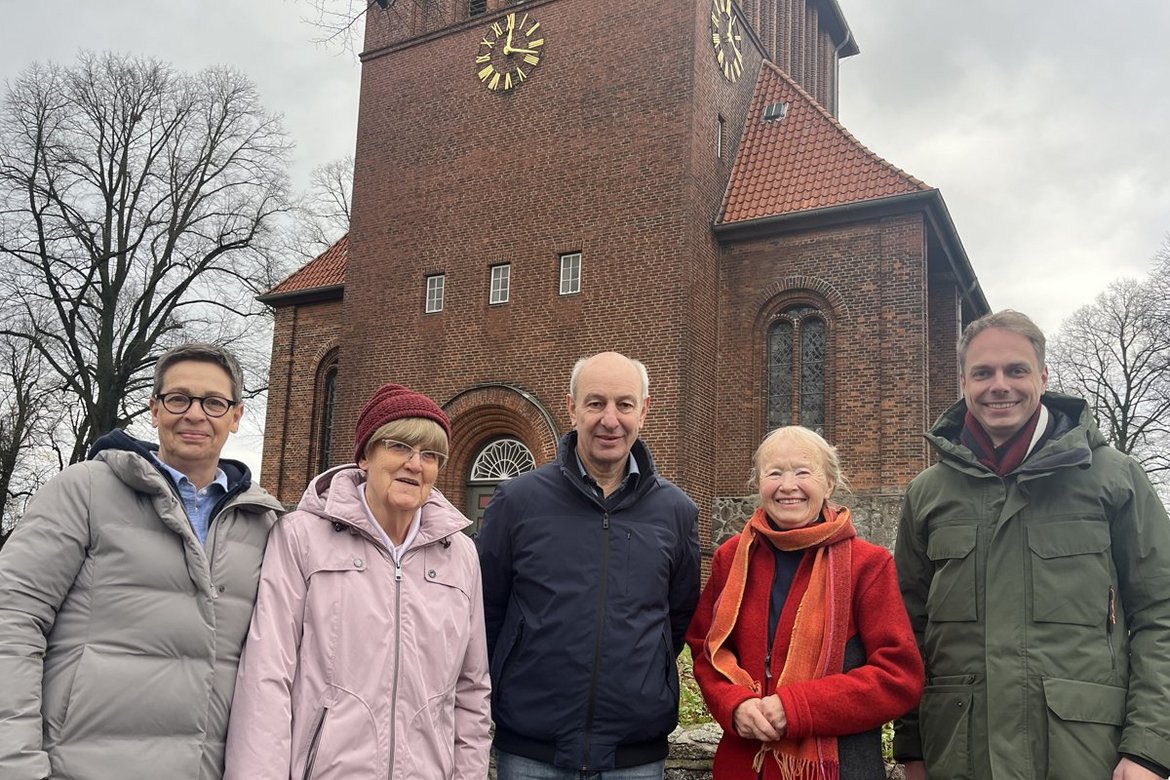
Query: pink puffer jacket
354, 668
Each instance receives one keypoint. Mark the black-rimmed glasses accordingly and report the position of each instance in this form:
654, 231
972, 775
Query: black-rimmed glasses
179, 403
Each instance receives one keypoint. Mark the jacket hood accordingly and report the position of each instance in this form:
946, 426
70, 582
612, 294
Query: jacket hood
239, 476
1074, 435
334, 495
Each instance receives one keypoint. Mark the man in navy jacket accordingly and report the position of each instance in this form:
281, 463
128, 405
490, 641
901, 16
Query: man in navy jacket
590, 573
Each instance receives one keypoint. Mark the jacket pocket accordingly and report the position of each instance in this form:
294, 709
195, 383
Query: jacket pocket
507, 646
1070, 572
1084, 727
953, 587
315, 743
430, 737
945, 723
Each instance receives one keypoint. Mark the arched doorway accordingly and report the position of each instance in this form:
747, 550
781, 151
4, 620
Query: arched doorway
498, 461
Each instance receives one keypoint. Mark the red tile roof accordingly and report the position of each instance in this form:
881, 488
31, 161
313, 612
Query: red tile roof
804, 161
325, 270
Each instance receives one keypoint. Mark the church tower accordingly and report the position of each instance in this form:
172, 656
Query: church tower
539, 181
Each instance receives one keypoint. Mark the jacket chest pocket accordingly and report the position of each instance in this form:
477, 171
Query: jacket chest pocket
953, 587
1070, 572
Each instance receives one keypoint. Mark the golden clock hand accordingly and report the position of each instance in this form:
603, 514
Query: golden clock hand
508, 41
521, 51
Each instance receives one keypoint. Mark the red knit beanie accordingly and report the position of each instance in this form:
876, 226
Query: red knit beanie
394, 402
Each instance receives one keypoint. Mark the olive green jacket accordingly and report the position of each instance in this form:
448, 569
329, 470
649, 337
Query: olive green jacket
1041, 603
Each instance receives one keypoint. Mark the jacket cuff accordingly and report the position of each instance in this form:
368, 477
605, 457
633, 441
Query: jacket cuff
1146, 763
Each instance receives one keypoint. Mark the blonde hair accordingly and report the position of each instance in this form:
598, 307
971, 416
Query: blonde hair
830, 462
421, 432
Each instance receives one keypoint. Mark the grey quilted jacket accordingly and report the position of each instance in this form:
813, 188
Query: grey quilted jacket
119, 632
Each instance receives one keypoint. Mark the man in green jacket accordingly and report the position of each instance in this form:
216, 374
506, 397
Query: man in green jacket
126, 593
1034, 560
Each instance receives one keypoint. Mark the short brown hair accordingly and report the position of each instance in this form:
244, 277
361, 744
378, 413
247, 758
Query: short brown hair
1007, 319
202, 353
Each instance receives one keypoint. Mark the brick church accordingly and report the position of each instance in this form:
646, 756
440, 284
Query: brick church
538, 181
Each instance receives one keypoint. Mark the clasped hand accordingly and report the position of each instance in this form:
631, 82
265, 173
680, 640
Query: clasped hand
761, 719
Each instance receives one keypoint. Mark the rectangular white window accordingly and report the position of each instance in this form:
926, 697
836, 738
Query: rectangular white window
436, 286
719, 138
501, 282
571, 273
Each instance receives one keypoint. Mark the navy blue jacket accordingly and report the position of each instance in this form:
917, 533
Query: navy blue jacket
586, 601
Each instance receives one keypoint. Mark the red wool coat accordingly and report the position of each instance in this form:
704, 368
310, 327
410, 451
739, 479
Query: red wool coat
887, 685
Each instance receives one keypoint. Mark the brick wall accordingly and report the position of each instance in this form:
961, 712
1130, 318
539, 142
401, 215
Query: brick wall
608, 150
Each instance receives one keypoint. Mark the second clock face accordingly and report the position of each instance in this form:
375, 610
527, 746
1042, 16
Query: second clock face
509, 52
726, 38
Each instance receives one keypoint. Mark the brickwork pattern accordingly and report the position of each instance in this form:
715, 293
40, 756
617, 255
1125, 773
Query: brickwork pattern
608, 150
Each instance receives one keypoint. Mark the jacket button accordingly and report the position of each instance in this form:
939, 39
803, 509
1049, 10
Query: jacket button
431, 574
358, 562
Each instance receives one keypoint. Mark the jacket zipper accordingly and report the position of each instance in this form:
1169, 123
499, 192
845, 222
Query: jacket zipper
315, 743
1110, 622
597, 638
397, 658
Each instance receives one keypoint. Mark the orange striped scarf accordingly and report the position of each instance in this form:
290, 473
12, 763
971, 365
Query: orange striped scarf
817, 645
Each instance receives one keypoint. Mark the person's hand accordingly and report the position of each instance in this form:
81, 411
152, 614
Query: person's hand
774, 712
751, 722
915, 770
1128, 770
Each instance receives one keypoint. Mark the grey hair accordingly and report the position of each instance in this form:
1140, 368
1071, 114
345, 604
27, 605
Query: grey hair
830, 461
203, 353
638, 364
1009, 320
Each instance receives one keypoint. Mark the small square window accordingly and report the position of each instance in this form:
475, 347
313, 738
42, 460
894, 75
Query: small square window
571, 273
436, 287
476, 7
501, 282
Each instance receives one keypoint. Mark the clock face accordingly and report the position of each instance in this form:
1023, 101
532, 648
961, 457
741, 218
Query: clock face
509, 52
725, 37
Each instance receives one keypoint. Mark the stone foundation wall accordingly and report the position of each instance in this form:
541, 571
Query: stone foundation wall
875, 514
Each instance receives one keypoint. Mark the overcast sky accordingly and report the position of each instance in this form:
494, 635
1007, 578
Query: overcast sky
1043, 123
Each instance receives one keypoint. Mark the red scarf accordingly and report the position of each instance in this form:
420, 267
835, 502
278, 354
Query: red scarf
1005, 458
817, 645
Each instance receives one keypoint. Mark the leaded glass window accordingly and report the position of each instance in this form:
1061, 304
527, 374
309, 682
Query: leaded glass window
797, 351
328, 401
501, 460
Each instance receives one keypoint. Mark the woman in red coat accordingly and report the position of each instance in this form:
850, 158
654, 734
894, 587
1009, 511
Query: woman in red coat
801, 644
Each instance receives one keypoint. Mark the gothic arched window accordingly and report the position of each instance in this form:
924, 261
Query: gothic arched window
797, 351
326, 404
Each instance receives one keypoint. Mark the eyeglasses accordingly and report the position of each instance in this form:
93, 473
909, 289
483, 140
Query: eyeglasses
404, 451
212, 405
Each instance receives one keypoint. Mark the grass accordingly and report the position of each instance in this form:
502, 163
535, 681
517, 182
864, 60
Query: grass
692, 710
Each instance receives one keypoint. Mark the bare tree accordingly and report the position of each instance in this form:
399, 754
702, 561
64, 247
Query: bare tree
1115, 353
136, 207
322, 216
28, 412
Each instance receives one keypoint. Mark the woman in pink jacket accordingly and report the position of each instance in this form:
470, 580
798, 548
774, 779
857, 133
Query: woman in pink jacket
366, 656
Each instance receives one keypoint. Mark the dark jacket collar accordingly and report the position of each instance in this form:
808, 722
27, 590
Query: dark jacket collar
239, 476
